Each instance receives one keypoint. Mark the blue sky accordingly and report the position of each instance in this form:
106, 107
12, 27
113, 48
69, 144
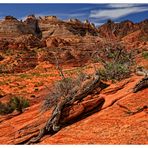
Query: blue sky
96, 13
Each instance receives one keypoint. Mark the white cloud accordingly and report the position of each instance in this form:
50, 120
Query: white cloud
121, 5
98, 24
116, 13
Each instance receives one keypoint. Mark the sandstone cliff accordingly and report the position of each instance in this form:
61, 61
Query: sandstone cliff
10, 27
119, 30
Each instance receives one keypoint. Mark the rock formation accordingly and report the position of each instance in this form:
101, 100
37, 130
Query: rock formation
114, 113
10, 27
120, 30
32, 22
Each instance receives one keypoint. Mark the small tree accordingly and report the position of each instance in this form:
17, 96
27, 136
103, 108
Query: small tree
116, 61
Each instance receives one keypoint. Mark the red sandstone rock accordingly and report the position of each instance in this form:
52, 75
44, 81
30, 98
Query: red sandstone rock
118, 30
11, 28
112, 124
22, 51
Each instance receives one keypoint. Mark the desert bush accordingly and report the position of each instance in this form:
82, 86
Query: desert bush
9, 52
5, 108
114, 71
6, 68
81, 76
15, 103
144, 38
116, 60
18, 103
145, 54
64, 86
61, 89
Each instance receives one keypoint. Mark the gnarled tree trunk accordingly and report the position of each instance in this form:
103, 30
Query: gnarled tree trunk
54, 123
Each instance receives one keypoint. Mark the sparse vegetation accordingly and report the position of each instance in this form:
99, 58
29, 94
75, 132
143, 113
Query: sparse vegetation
114, 71
33, 96
6, 68
30, 75
144, 38
36, 89
38, 84
116, 62
24, 75
145, 54
15, 103
18, 103
62, 88
9, 52
5, 108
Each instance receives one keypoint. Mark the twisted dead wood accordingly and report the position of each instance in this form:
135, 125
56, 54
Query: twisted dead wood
143, 83
53, 124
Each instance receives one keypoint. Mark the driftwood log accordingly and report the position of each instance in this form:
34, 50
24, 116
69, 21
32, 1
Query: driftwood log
54, 123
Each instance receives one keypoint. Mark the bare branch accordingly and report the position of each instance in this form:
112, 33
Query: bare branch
59, 67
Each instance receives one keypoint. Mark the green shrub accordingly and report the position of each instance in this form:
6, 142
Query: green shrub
5, 108
145, 54
144, 38
116, 60
18, 103
9, 52
15, 103
114, 71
